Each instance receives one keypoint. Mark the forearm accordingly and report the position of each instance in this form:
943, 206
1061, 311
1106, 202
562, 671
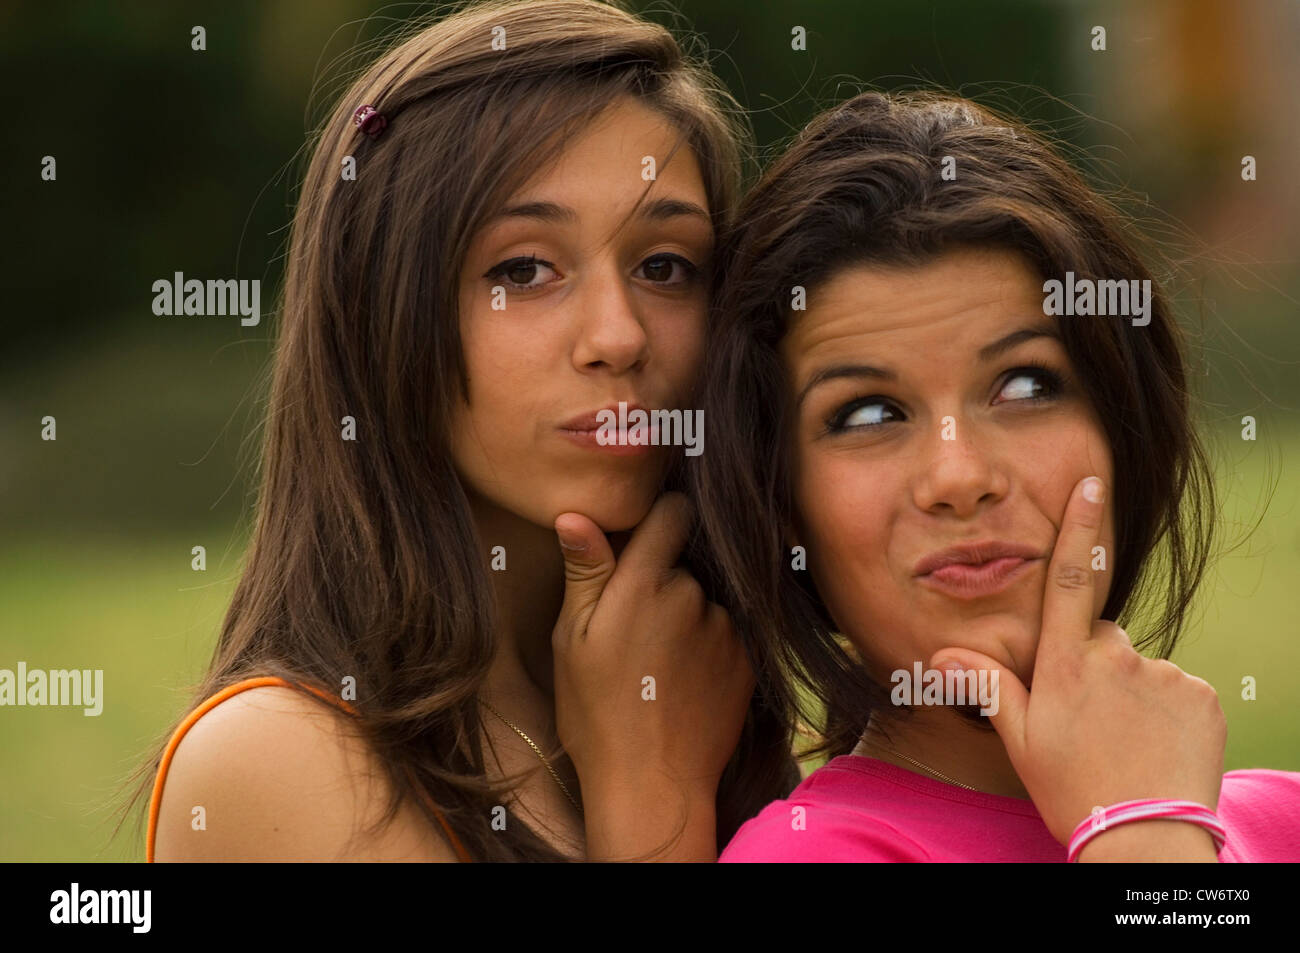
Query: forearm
1154, 840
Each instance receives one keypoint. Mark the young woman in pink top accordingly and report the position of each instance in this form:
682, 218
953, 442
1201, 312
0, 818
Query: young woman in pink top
915, 458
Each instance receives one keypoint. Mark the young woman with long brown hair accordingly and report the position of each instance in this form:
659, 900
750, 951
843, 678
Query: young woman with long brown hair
917, 460
506, 226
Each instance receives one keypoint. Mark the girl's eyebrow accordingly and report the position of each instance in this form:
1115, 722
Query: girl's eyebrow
1004, 344
837, 371
987, 353
658, 210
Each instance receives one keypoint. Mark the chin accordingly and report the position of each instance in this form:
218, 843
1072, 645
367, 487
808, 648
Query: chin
613, 512
618, 519
1008, 640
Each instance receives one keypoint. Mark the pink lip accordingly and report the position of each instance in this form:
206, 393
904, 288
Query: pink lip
587, 439
583, 428
976, 569
589, 421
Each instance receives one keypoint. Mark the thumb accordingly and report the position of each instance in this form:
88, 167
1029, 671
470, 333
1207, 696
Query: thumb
1010, 698
588, 565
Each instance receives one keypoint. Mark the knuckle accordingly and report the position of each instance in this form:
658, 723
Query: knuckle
579, 572
687, 585
720, 619
678, 508
1206, 690
1167, 669
1105, 629
659, 580
675, 498
1120, 655
1126, 658
678, 585
1071, 577
1087, 520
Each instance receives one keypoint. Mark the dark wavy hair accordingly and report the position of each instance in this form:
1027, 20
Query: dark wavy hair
861, 184
368, 563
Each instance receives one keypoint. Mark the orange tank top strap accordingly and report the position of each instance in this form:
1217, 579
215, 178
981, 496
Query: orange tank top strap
155, 802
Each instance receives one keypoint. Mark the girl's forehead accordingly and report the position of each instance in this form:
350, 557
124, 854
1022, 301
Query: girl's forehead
956, 300
629, 139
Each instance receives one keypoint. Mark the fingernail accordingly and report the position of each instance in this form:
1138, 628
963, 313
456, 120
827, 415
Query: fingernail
951, 665
1094, 491
572, 544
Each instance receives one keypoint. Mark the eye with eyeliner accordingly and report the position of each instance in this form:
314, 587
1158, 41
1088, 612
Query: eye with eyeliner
693, 271
497, 273
838, 420
1054, 384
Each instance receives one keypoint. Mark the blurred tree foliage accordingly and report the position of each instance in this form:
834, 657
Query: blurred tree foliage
172, 159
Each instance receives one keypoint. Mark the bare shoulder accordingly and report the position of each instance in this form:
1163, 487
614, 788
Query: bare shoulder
280, 775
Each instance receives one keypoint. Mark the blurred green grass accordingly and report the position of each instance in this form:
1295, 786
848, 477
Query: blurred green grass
136, 609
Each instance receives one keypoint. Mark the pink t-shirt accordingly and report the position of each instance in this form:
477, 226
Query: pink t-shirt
858, 809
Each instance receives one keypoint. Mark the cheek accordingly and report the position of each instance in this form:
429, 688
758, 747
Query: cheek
1081, 450
844, 520
677, 346
494, 394
1075, 447
492, 432
1104, 467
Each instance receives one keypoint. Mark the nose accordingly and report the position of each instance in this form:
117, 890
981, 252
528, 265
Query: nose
959, 476
610, 332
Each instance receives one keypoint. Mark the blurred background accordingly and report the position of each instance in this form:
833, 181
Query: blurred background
169, 159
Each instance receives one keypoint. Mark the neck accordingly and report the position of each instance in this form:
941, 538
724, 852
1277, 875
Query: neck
944, 741
528, 594
520, 682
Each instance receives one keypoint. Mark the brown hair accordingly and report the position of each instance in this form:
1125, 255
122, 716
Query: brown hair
859, 185
365, 559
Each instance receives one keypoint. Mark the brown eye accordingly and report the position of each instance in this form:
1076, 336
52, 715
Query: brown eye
659, 269
520, 273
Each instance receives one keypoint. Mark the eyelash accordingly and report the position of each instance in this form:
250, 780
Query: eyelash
498, 271
1055, 384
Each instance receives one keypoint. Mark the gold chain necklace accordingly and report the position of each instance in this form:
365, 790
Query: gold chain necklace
519, 731
925, 767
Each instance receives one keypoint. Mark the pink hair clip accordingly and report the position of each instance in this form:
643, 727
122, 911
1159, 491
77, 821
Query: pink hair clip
370, 121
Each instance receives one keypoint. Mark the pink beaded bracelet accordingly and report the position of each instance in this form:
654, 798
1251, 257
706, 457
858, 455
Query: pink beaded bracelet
1150, 809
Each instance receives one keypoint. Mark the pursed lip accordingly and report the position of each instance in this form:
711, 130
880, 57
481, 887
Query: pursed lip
974, 554
587, 422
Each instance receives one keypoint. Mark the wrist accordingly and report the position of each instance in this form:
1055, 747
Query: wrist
1151, 840
650, 817
646, 781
